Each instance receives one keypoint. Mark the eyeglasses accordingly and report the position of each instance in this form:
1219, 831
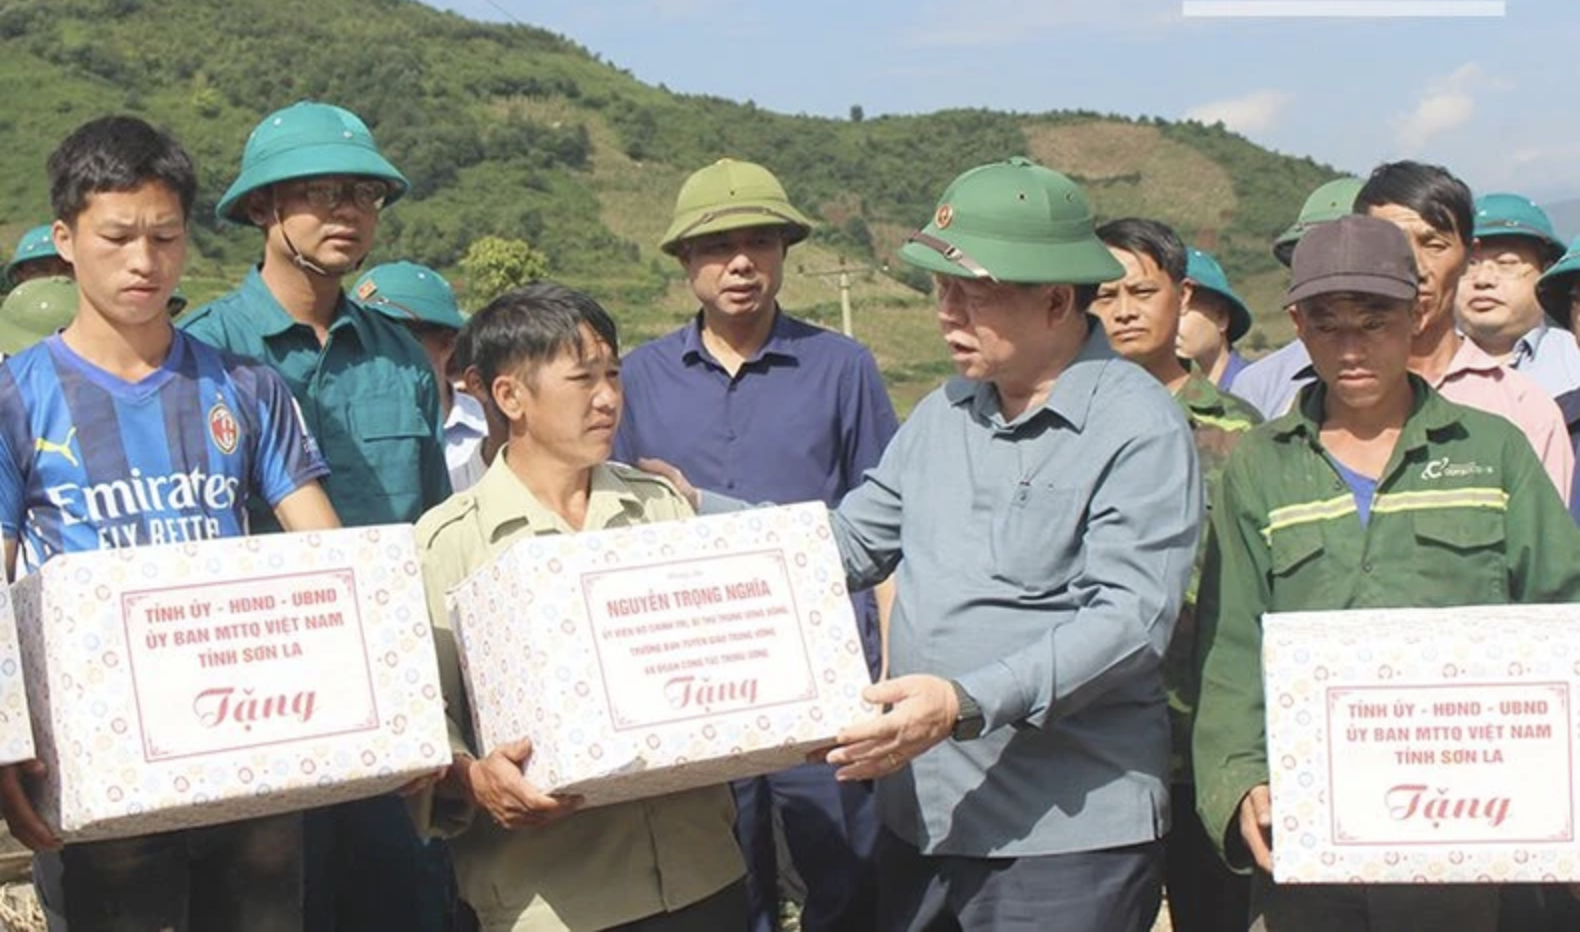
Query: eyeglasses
325, 194
1507, 268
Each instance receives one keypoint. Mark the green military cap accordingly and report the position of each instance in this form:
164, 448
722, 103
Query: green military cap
409, 293
1328, 202
34, 310
1013, 221
37, 243
1515, 215
304, 140
1553, 288
1205, 273
732, 195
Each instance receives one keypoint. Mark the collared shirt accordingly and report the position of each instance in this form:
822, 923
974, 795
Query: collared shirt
464, 431
1044, 561
1231, 370
1550, 357
605, 866
1460, 518
367, 393
1476, 380
1217, 422
1271, 383
802, 420
1569, 404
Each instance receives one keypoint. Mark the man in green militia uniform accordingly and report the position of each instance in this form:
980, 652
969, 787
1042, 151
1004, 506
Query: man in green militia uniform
1141, 314
1374, 492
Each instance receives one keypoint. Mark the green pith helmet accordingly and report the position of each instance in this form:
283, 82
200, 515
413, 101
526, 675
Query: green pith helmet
1013, 221
1552, 289
1328, 202
409, 293
37, 243
731, 195
34, 310
1516, 215
307, 138
1205, 272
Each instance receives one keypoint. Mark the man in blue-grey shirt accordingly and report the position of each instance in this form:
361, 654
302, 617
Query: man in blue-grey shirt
1046, 506
1271, 383
1497, 305
750, 401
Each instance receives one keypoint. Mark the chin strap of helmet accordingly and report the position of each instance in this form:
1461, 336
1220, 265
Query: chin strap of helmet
306, 264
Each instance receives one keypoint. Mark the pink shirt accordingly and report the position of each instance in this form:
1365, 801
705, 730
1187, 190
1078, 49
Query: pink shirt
1479, 381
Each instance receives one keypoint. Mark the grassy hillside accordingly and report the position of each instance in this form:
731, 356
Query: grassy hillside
518, 132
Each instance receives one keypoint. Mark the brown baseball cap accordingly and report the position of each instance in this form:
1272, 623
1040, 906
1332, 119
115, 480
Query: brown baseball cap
1355, 253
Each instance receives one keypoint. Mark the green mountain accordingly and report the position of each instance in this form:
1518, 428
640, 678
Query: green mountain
517, 132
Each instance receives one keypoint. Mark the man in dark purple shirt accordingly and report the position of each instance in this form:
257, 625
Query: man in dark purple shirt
754, 403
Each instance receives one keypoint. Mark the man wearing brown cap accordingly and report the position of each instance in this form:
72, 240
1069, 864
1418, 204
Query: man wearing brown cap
1335, 506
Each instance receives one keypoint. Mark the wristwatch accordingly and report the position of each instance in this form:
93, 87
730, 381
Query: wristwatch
969, 722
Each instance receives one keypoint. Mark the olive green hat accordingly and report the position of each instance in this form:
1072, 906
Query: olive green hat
1552, 289
732, 195
37, 243
307, 138
1013, 221
35, 310
409, 293
1328, 202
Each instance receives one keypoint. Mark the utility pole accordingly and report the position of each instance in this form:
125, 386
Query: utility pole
842, 273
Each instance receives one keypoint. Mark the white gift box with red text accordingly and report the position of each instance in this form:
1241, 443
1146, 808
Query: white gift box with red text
648, 660
191, 684
16, 730
1424, 745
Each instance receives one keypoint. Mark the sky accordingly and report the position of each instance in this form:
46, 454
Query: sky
1491, 98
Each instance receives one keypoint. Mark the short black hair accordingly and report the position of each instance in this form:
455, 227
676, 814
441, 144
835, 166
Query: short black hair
1147, 238
1432, 191
117, 153
531, 326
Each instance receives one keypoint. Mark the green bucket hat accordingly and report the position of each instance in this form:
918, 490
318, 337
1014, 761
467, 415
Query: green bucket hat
1205, 273
1328, 202
1552, 289
409, 293
1515, 215
37, 243
307, 138
1013, 221
731, 195
34, 310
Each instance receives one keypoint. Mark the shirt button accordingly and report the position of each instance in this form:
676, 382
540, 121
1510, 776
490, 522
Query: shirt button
1366, 567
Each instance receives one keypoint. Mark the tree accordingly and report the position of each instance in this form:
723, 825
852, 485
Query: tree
494, 265
857, 114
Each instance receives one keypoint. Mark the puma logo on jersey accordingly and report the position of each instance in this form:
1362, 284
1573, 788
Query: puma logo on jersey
63, 448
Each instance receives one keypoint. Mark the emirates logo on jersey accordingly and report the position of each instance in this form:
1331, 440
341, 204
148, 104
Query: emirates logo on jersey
222, 428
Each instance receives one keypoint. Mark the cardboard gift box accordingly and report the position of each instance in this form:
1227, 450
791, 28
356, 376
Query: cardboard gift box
1424, 745
16, 730
648, 660
191, 684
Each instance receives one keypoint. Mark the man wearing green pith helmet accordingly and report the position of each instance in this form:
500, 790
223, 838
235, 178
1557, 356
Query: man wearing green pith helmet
1271, 383
35, 257
419, 299
313, 181
1040, 511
